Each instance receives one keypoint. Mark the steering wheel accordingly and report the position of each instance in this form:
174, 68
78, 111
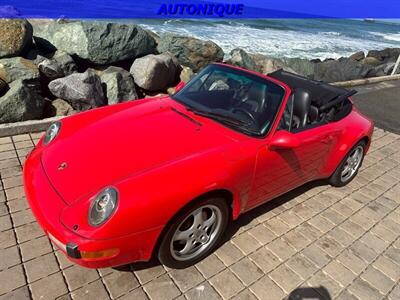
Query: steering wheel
245, 112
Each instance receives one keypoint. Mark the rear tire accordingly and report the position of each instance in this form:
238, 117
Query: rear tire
349, 166
194, 233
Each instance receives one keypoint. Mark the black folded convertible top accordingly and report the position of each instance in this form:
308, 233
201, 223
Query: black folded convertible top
321, 92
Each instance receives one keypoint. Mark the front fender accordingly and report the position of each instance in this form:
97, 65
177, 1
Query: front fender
149, 200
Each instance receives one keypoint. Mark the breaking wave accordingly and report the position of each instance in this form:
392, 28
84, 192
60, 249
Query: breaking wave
389, 37
308, 38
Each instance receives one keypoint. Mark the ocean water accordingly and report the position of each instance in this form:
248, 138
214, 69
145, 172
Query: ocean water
305, 38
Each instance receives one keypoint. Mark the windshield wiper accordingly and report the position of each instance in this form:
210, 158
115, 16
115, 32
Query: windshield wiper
219, 116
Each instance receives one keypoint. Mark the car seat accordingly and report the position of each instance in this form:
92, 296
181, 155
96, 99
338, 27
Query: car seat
301, 107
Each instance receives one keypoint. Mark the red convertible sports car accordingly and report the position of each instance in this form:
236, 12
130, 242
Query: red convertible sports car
164, 176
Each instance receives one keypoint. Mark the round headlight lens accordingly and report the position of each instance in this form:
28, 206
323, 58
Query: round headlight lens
52, 132
103, 206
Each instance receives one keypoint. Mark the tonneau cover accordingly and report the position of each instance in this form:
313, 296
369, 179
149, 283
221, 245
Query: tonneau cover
321, 92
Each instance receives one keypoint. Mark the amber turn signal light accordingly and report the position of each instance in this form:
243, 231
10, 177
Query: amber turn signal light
99, 254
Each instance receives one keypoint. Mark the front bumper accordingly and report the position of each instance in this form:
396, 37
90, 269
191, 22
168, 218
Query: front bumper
47, 206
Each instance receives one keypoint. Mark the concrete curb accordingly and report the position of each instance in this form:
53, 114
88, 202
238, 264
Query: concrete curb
366, 80
41, 125
26, 126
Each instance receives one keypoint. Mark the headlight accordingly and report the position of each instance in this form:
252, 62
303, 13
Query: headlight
52, 132
103, 206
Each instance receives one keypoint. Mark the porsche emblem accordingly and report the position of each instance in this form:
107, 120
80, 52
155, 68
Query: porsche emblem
62, 166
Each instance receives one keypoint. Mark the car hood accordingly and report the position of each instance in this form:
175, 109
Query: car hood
98, 148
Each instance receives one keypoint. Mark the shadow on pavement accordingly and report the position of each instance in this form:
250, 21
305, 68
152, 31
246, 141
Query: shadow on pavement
308, 293
243, 220
246, 218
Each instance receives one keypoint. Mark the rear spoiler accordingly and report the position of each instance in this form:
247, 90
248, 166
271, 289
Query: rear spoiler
337, 101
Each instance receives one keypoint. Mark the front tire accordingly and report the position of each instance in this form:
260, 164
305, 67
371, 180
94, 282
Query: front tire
349, 166
194, 233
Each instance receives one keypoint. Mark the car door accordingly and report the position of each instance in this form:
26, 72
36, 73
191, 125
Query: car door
280, 170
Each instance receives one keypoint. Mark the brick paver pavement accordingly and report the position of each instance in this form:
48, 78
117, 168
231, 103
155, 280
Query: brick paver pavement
317, 241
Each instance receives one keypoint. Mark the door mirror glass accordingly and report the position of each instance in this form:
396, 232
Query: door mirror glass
283, 139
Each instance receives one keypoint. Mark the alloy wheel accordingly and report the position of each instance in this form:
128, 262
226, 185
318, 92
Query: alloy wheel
196, 233
352, 163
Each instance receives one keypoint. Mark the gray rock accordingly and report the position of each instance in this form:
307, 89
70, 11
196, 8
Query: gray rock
15, 36
18, 68
20, 103
60, 65
375, 54
371, 61
301, 66
98, 42
186, 74
360, 55
155, 72
118, 85
382, 70
257, 62
66, 62
385, 55
50, 69
82, 90
240, 58
189, 51
390, 54
154, 35
58, 107
341, 70
266, 65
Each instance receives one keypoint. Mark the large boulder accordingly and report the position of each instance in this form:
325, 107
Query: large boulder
256, 62
154, 35
342, 69
186, 74
15, 36
20, 103
50, 69
375, 54
118, 85
155, 72
360, 55
389, 54
189, 51
371, 61
267, 65
385, 55
241, 58
82, 90
60, 65
382, 70
18, 68
301, 66
97, 42
65, 61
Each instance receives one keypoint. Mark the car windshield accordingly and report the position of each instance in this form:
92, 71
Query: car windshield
238, 99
